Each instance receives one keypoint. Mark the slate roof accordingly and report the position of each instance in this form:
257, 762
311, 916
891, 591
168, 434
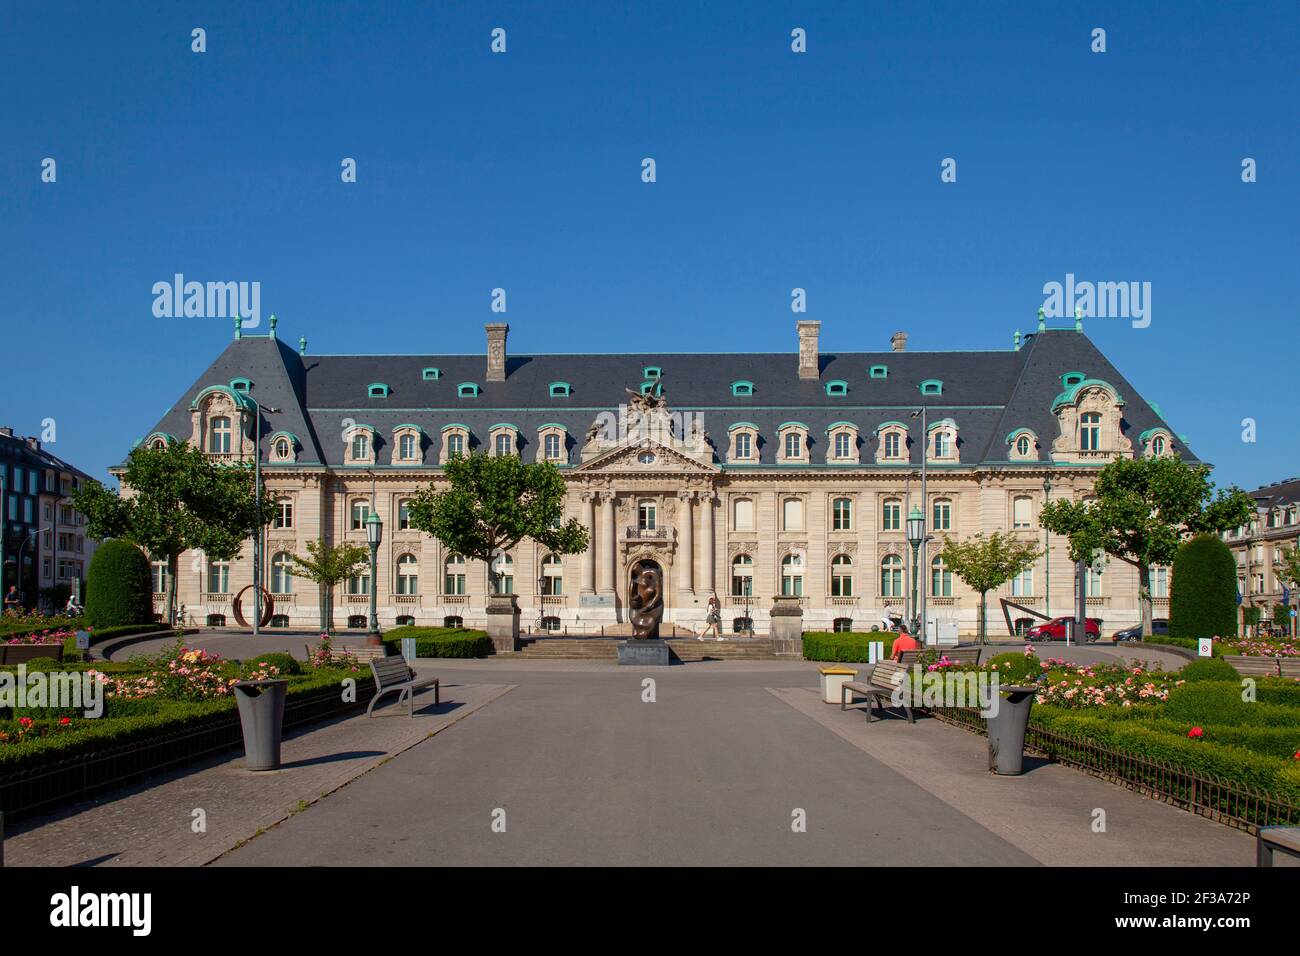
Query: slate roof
988, 394
1283, 493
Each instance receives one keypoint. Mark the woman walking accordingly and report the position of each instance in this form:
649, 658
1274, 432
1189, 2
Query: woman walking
713, 619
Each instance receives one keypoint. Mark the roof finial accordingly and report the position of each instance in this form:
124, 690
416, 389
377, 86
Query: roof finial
271, 323
1078, 319
239, 325
1017, 340
1042, 322
302, 345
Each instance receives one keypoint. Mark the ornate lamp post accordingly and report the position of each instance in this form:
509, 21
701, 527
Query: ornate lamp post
915, 535
374, 534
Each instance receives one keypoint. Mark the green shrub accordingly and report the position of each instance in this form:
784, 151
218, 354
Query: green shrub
846, 646
1203, 595
1208, 668
1015, 667
118, 586
1215, 651
1215, 702
286, 663
1280, 742
443, 641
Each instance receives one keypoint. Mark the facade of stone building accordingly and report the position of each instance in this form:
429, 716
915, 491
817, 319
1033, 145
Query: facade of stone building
1258, 546
742, 475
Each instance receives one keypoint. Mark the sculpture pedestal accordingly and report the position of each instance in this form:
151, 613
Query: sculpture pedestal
650, 652
786, 629
503, 622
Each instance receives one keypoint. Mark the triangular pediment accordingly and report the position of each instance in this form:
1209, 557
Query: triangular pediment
632, 457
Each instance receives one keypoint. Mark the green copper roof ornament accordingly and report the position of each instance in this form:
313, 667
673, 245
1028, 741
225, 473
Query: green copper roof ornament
1042, 321
1017, 340
271, 322
1078, 319
302, 345
239, 326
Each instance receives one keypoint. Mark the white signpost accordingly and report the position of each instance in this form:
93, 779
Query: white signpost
1205, 647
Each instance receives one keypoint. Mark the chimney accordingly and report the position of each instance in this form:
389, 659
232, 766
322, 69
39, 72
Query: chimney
33, 443
809, 366
6, 431
899, 341
496, 341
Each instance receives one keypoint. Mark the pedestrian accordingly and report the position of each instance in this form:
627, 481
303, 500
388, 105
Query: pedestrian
904, 642
713, 618
12, 601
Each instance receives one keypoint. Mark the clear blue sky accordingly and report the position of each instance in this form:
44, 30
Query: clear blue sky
775, 170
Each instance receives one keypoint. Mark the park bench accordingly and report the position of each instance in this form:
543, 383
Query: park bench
1289, 667
392, 675
22, 653
959, 655
879, 686
1254, 666
363, 654
1270, 839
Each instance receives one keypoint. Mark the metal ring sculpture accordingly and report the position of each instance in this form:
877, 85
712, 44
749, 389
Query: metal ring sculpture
268, 607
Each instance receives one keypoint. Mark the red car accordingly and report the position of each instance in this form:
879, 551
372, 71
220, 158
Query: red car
1054, 630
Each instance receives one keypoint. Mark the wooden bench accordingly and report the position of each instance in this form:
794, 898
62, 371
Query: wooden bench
392, 675
363, 654
1289, 667
22, 653
959, 655
881, 682
1254, 666
1270, 839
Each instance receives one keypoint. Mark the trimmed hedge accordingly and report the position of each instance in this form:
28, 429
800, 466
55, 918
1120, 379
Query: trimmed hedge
442, 641
1208, 668
1216, 649
288, 665
1203, 595
1215, 702
850, 647
119, 589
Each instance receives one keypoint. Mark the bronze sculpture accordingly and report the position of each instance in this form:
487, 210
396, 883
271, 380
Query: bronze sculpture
645, 598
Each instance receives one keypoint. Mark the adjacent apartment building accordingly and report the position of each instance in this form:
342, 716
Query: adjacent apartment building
742, 475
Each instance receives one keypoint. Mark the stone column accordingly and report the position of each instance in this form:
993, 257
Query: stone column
686, 534
589, 556
608, 550
707, 557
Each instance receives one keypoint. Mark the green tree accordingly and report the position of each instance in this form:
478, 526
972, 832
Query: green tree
1144, 508
175, 499
1287, 571
986, 563
118, 585
1203, 593
495, 502
328, 565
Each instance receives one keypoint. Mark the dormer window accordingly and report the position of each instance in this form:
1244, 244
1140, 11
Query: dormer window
431, 374
652, 372
792, 438
284, 446
467, 390
742, 389
561, 390
1023, 444
843, 442
837, 387
407, 444
892, 443
553, 443
654, 386
943, 440
503, 440
744, 442
931, 386
360, 447
241, 385
455, 442
1072, 378
1156, 443
378, 390
879, 371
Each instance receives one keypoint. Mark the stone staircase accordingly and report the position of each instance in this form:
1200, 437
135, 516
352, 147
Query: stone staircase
606, 649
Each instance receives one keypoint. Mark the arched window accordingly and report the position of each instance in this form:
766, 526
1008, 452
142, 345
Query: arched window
552, 575
792, 514
647, 515
1158, 445
408, 574
743, 514
404, 514
281, 573
792, 575
455, 444
744, 442
360, 514
842, 625
360, 446
842, 514
552, 446
1022, 445
841, 576
940, 578
942, 514
843, 444
793, 445
891, 576
504, 566
219, 437
453, 620
505, 444
942, 444
282, 448
408, 446
742, 576
453, 579
1090, 431
891, 518
218, 577
893, 445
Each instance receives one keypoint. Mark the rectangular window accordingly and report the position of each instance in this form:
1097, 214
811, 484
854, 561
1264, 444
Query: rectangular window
892, 517
31, 482
943, 515
792, 514
1160, 582
1022, 585
28, 511
744, 511
842, 514
793, 446
283, 515
743, 445
1020, 512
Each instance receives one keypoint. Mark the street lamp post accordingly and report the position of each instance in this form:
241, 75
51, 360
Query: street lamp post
374, 534
924, 412
257, 532
915, 535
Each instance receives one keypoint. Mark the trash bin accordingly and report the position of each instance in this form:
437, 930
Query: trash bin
261, 715
833, 678
1007, 730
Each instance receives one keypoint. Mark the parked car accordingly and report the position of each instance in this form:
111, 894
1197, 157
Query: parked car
1158, 626
1054, 630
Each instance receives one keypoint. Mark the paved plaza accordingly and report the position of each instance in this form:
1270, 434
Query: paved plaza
532, 762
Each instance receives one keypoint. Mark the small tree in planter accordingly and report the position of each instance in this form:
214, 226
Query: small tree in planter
329, 566
178, 500
987, 563
492, 504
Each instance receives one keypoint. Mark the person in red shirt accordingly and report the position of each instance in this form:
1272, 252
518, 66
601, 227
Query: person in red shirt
904, 642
